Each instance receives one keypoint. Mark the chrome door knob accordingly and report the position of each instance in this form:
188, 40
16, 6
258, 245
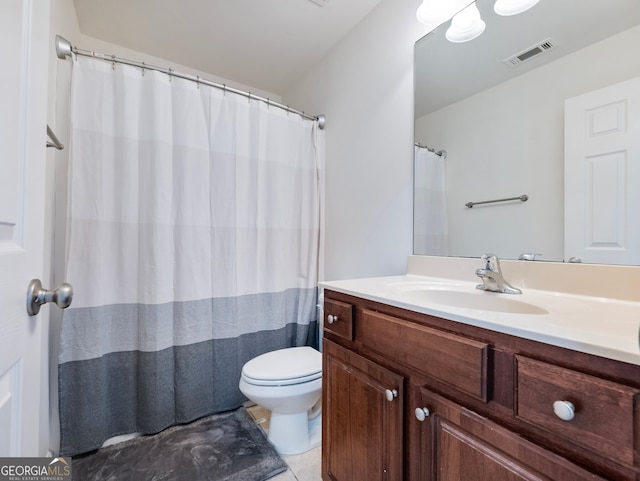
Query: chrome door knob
36, 296
331, 319
422, 413
565, 410
390, 394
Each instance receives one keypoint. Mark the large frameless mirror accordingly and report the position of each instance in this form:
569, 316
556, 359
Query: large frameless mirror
496, 105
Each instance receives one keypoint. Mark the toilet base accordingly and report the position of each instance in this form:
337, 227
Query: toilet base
294, 433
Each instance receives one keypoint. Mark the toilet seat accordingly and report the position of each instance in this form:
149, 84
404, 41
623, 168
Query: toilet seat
281, 382
284, 367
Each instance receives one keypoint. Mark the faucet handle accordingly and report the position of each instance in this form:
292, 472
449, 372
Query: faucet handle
528, 256
491, 275
491, 262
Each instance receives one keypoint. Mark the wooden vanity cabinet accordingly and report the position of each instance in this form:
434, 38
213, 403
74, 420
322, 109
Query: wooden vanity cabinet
363, 416
467, 404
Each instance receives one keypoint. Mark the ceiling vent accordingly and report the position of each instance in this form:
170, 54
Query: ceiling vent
530, 52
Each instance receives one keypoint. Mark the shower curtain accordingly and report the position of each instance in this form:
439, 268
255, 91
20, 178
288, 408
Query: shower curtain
193, 240
430, 226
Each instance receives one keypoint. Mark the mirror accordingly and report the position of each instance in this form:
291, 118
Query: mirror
501, 122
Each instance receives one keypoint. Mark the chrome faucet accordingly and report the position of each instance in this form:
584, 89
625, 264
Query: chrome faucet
491, 276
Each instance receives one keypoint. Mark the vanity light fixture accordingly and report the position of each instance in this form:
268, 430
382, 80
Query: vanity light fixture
435, 12
513, 7
466, 25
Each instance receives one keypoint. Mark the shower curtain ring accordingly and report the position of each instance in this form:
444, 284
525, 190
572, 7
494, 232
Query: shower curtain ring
113, 62
143, 67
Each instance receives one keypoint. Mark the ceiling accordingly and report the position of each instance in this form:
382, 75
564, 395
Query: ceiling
264, 44
447, 72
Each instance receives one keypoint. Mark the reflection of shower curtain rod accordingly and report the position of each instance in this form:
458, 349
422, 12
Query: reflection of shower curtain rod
53, 142
441, 153
64, 49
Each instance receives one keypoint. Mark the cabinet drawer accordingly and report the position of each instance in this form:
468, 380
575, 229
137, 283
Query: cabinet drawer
453, 360
338, 318
458, 444
605, 413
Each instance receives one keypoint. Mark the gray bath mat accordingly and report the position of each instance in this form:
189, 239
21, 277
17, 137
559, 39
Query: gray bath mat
223, 447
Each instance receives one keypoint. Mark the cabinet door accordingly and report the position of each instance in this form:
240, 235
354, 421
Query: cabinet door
362, 418
459, 445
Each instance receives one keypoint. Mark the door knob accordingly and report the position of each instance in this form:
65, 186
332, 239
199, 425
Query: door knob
36, 296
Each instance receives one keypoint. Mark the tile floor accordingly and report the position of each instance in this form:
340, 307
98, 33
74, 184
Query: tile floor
302, 467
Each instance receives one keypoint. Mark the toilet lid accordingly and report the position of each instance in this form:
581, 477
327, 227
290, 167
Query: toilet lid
285, 366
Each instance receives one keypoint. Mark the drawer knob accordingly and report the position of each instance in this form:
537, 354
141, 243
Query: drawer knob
565, 410
422, 413
331, 318
391, 394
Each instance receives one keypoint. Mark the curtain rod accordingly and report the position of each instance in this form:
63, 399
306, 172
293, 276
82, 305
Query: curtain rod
64, 49
53, 142
441, 153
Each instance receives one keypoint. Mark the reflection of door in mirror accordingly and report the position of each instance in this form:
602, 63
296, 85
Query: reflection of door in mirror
602, 172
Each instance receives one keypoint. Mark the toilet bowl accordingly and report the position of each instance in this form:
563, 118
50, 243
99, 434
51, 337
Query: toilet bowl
288, 382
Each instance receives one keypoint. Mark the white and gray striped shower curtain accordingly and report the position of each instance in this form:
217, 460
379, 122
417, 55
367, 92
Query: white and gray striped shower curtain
193, 240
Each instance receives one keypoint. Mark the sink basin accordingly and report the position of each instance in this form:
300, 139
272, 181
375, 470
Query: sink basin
477, 300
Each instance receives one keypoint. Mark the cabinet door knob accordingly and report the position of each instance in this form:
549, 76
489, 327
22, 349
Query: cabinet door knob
391, 394
565, 410
331, 319
422, 413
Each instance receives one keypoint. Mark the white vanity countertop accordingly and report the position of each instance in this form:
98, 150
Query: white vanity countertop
608, 328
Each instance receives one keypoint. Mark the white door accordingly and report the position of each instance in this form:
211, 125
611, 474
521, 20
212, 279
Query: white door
602, 175
24, 28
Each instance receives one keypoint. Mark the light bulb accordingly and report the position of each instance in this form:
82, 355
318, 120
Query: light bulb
435, 12
513, 7
466, 25
432, 12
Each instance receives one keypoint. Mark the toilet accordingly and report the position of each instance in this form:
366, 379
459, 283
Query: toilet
288, 382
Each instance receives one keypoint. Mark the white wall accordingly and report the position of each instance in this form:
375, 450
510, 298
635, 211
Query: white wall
365, 88
509, 140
